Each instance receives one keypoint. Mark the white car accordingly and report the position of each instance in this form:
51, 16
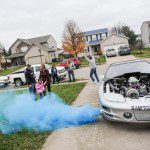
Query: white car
125, 92
4, 81
18, 76
110, 53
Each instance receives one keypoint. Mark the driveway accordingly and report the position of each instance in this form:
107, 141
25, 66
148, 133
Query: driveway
83, 73
111, 60
102, 135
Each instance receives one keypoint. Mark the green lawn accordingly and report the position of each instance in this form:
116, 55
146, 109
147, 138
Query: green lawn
27, 140
99, 60
8, 71
145, 53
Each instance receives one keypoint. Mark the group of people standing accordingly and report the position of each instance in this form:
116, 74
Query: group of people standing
42, 84
44, 81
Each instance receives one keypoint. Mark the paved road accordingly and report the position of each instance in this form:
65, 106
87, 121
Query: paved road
102, 135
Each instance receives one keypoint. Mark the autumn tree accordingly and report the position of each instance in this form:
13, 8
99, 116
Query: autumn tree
73, 40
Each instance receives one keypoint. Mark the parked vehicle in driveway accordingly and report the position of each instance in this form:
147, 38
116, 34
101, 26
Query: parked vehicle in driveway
110, 53
65, 62
76, 62
124, 50
4, 81
18, 77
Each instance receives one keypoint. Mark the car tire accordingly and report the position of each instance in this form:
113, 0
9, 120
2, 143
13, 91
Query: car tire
18, 82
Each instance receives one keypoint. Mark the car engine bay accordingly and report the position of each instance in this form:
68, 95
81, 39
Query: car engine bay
130, 85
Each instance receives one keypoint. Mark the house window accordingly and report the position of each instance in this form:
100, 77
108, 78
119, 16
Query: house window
103, 36
94, 38
24, 49
53, 46
90, 37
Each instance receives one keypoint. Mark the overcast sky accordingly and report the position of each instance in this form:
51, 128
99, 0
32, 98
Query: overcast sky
31, 18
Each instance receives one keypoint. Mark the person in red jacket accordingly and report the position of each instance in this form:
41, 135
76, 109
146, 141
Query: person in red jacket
45, 77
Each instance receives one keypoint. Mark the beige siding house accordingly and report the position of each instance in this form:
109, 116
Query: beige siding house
3, 61
114, 41
145, 34
35, 50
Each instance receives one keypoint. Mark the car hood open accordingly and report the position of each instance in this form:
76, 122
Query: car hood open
118, 69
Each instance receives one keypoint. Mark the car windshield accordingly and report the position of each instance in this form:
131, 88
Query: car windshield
48, 66
123, 47
119, 69
109, 50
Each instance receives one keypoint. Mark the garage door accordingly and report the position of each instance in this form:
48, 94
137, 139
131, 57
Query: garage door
115, 47
35, 60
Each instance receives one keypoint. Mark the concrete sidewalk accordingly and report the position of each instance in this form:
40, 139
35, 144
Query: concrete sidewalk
72, 138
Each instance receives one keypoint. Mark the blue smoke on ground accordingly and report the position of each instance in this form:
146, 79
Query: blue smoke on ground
21, 112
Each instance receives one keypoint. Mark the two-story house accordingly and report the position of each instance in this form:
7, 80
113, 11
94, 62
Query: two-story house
145, 34
93, 39
33, 51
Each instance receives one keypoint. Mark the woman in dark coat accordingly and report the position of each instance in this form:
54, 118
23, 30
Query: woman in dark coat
45, 76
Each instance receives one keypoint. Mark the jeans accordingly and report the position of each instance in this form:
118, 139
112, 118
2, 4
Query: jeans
55, 77
71, 75
41, 95
93, 72
48, 88
32, 90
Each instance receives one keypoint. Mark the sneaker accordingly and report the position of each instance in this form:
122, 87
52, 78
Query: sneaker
94, 82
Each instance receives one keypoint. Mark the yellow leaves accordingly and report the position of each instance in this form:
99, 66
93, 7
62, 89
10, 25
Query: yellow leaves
73, 39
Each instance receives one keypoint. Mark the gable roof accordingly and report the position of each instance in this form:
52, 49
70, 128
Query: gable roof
41, 47
41, 39
98, 31
116, 35
36, 40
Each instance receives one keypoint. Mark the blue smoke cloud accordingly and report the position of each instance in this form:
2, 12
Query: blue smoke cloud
18, 112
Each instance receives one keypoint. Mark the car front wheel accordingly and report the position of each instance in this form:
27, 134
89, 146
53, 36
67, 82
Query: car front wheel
18, 82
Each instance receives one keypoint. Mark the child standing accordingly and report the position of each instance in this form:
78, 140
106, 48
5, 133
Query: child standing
40, 88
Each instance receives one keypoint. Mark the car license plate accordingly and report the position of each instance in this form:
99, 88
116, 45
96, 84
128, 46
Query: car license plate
142, 115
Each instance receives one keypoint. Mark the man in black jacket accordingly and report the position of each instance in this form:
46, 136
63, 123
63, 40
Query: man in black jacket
30, 79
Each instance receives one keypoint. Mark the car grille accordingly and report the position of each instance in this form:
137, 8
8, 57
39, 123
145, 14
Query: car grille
142, 115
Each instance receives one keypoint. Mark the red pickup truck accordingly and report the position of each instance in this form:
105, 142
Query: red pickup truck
65, 62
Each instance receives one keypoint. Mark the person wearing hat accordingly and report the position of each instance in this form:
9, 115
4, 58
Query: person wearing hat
30, 79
